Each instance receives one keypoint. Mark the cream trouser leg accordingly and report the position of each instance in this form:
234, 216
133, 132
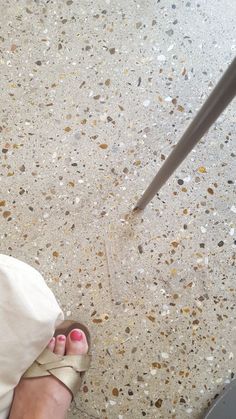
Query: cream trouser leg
29, 314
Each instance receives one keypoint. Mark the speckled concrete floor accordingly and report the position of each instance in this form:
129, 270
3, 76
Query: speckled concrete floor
94, 96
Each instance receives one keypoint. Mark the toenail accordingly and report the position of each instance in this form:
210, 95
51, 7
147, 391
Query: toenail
76, 335
62, 338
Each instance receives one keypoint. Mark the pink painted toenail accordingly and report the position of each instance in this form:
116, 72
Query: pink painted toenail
62, 338
76, 335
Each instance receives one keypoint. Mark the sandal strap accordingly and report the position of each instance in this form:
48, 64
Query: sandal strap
49, 360
69, 369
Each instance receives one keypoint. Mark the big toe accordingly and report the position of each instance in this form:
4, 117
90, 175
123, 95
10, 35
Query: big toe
76, 343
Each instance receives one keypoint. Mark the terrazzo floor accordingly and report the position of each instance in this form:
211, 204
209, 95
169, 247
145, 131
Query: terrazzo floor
94, 95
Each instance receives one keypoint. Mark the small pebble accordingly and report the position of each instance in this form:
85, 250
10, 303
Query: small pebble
146, 103
161, 58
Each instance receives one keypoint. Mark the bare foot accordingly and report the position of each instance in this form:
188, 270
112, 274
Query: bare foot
46, 397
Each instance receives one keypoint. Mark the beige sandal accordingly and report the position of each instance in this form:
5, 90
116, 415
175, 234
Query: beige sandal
69, 369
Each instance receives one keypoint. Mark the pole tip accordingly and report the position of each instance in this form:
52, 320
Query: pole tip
136, 209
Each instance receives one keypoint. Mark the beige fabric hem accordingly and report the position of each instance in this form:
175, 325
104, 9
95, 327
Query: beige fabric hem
29, 314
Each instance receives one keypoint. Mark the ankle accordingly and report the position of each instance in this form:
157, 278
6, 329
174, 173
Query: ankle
48, 403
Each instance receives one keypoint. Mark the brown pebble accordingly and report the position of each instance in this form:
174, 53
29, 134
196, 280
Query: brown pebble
156, 365
13, 47
210, 191
158, 403
97, 321
151, 318
140, 248
115, 392
6, 214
